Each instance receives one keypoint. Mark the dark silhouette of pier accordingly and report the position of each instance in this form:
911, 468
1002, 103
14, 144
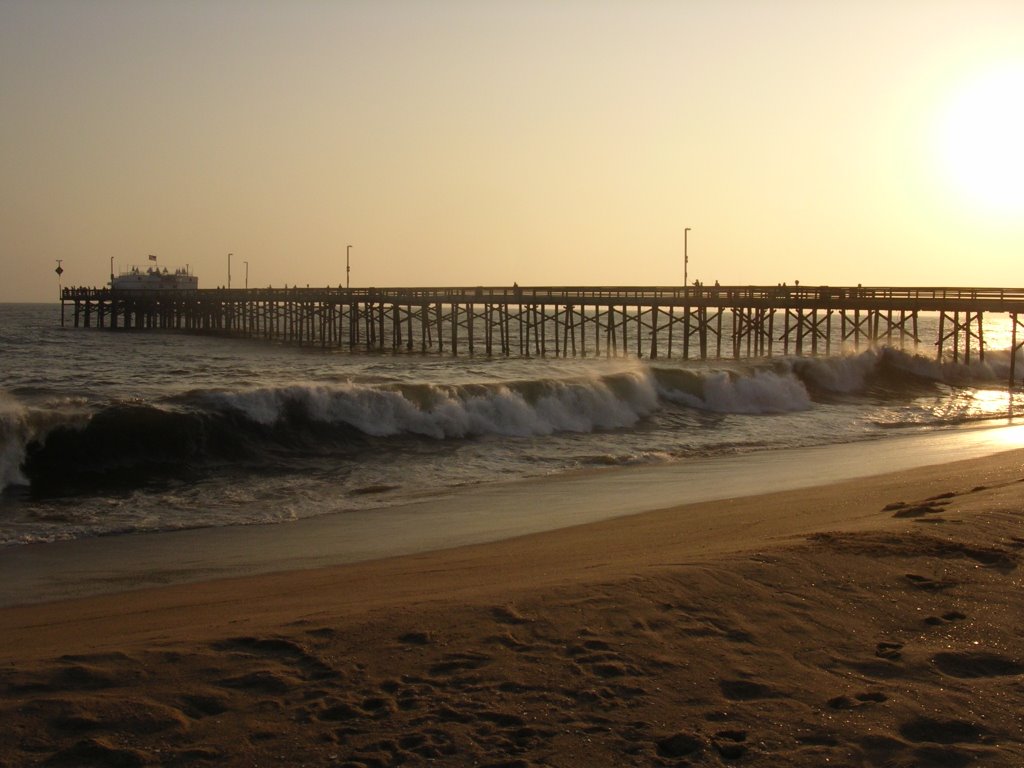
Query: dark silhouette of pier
689, 322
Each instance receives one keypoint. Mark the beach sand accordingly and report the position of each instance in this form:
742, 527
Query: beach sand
875, 622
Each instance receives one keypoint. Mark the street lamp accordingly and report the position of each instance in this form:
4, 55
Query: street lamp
348, 269
246, 274
686, 257
229, 269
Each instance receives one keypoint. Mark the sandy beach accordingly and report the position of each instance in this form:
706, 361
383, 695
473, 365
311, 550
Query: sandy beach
874, 622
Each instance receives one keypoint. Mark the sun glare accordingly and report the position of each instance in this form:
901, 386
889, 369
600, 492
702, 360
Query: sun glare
981, 140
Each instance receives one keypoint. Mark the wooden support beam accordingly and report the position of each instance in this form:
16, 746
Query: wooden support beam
557, 321
1016, 344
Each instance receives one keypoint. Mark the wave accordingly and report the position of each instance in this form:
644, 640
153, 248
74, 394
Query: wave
22, 426
63, 447
783, 385
130, 443
14, 435
891, 372
756, 391
513, 409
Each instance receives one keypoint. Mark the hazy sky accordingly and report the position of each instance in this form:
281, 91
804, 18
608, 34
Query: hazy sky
480, 143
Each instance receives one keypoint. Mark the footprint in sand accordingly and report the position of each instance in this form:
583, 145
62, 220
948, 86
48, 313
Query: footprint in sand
889, 650
931, 585
82, 677
601, 660
81, 673
746, 690
415, 638
934, 731
99, 752
975, 664
356, 707
197, 706
431, 744
460, 662
509, 640
730, 744
280, 650
261, 681
873, 697
859, 700
322, 633
679, 745
903, 510
507, 614
919, 510
946, 618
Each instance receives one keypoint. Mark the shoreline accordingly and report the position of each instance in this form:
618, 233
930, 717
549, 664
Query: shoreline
866, 622
31, 573
697, 532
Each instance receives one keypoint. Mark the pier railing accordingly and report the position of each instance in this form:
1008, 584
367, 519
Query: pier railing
933, 298
688, 321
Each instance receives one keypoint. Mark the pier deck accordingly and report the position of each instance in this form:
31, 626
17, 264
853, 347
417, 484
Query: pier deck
688, 322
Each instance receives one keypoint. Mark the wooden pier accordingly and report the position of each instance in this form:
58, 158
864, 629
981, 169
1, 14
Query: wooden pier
697, 322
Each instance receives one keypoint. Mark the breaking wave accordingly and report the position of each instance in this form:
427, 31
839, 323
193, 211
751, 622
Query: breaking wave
63, 446
14, 435
511, 409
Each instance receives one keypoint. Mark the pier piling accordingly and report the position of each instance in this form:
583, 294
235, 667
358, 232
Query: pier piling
688, 322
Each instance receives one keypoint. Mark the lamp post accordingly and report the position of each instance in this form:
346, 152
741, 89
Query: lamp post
229, 269
111, 271
686, 257
348, 269
246, 274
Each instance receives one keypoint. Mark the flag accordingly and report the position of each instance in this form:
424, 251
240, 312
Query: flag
152, 257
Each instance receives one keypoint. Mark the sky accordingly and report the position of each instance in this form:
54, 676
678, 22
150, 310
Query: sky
554, 142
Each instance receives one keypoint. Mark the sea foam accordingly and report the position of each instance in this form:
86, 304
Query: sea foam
452, 411
14, 435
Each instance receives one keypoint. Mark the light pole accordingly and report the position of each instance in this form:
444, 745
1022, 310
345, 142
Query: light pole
246, 274
111, 271
348, 269
686, 257
229, 269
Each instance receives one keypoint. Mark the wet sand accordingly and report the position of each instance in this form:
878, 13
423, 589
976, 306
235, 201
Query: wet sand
874, 622
475, 515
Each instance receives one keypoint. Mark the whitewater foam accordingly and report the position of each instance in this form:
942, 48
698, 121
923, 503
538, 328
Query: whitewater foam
843, 375
14, 436
453, 411
750, 392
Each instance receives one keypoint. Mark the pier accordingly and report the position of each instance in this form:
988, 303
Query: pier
694, 322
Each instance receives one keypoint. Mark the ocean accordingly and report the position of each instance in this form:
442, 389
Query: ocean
112, 433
